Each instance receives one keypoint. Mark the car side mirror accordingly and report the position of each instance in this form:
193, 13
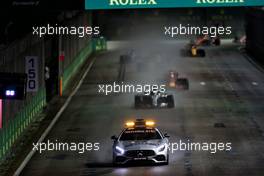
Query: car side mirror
114, 137
166, 135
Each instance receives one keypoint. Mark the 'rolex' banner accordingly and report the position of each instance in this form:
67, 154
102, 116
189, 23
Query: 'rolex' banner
119, 4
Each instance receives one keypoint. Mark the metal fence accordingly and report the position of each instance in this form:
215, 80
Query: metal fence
18, 114
17, 124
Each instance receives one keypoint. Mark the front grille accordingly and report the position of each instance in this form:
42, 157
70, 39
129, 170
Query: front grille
139, 153
120, 159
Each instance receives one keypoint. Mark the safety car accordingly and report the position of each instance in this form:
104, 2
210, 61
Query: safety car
140, 141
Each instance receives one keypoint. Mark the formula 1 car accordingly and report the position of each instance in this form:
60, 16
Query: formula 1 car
207, 41
193, 51
140, 141
127, 58
176, 82
182, 83
154, 100
203, 41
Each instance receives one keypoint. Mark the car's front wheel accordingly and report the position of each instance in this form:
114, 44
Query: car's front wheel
167, 161
114, 161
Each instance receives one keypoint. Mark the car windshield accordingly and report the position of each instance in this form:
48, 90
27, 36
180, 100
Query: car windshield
142, 134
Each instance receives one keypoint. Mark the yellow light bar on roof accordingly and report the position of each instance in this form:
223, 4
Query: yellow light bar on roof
130, 124
150, 123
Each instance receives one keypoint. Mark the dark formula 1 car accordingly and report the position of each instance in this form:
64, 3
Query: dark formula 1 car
154, 100
128, 57
124, 59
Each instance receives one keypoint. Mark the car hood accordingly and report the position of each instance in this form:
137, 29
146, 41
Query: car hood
141, 144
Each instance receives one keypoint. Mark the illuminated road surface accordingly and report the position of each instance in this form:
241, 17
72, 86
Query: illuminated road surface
224, 88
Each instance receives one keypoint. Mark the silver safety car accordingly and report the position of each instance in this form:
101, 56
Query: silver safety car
140, 141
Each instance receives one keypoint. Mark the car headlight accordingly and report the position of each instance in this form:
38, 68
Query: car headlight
120, 150
161, 148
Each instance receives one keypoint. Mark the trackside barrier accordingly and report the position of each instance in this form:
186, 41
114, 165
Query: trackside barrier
15, 127
28, 113
95, 45
75, 65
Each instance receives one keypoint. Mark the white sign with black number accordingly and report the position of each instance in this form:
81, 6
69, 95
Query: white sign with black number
32, 73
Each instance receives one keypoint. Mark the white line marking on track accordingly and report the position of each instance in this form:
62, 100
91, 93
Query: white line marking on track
53, 122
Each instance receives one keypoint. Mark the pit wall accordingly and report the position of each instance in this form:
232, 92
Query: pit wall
18, 115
